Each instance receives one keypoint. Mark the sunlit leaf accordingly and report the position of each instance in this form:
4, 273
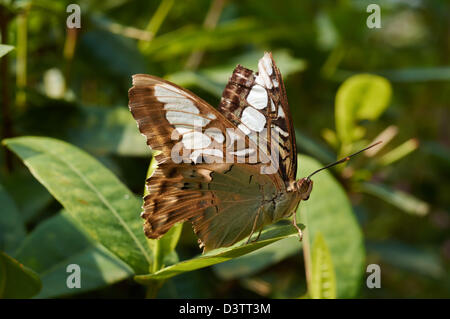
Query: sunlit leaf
329, 211
5, 49
214, 79
404, 201
216, 256
57, 243
225, 35
399, 152
361, 97
90, 193
323, 278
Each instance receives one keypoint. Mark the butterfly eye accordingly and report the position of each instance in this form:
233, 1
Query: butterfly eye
304, 188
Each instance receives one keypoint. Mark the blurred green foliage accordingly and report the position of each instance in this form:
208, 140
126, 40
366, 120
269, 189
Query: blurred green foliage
77, 198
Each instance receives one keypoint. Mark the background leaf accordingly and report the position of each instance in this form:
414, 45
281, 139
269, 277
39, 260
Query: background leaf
323, 278
328, 211
58, 242
417, 260
360, 97
268, 236
91, 194
399, 199
12, 229
16, 280
5, 49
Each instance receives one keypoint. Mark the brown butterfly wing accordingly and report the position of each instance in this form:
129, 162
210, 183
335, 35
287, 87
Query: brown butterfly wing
264, 92
182, 189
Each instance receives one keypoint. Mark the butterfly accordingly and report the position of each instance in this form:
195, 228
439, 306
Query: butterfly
229, 171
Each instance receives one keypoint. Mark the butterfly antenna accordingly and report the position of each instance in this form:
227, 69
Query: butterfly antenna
345, 159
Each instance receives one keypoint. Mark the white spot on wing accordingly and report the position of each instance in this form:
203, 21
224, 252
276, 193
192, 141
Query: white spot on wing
267, 62
244, 129
195, 140
275, 83
253, 119
259, 80
281, 112
183, 130
263, 71
176, 117
257, 97
165, 90
182, 105
281, 131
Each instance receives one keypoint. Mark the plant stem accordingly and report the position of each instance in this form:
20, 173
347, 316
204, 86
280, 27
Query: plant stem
21, 64
4, 76
306, 250
156, 21
211, 19
69, 51
153, 288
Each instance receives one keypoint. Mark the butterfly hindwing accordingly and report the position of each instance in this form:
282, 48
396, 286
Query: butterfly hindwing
257, 101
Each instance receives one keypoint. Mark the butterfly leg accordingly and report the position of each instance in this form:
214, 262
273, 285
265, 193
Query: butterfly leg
254, 227
294, 222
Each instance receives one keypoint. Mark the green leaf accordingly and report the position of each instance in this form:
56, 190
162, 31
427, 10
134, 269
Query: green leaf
12, 229
313, 148
404, 201
214, 79
56, 243
418, 260
104, 49
441, 73
329, 211
225, 35
90, 193
268, 236
323, 278
361, 97
108, 130
21, 182
399, 152
253, 262
5, 49
163, 247
99, 130
16, 280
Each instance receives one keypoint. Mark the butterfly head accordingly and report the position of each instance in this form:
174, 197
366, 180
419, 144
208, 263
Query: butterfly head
303, 187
